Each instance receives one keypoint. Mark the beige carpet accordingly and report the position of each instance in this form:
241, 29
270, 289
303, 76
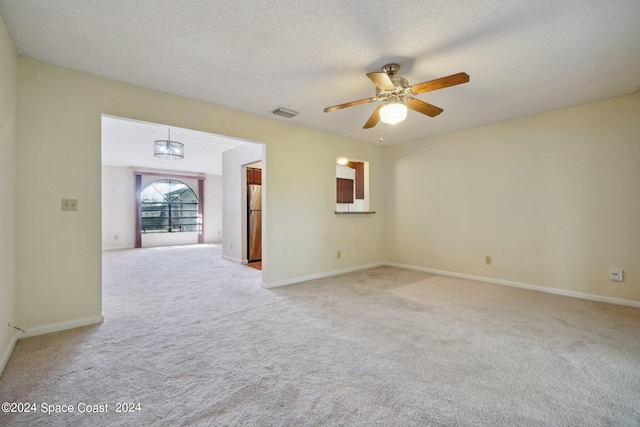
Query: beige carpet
196, 341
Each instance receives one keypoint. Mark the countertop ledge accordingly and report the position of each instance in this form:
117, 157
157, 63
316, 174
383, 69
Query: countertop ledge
354, 213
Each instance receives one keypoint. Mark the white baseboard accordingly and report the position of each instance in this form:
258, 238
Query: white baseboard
7, 353
235, 260
319, 275
556, 291
117, 248
61, 326
46, 329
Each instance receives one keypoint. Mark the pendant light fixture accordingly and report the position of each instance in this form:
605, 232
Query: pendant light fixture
168, 149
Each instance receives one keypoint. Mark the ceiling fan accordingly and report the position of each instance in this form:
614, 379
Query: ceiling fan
396, 96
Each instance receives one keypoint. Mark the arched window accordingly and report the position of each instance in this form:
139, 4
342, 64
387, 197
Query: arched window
168, 206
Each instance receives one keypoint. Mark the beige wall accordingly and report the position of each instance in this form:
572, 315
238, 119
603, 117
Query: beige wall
213, 209
8, 70
302, 177
59, 254
118, 207
553, 198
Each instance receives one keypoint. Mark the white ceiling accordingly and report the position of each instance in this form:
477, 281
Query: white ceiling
130, 143
523, 56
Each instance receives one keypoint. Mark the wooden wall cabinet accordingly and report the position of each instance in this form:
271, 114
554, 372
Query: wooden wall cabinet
344, 190
254, 176
359, 168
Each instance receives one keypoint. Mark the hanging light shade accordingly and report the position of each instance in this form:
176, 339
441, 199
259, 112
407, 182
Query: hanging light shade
393, 113
168, 149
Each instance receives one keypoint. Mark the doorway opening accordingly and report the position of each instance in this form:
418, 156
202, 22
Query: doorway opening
128, 162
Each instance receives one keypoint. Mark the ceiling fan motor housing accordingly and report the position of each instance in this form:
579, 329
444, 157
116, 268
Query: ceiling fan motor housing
400, 82
400, 91
391, 69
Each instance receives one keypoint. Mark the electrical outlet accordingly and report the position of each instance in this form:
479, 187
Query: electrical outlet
69, 205
487, 260
339, 254
615, 275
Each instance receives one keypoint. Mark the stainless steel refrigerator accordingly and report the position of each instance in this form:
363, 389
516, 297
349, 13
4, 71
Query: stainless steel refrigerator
254, 218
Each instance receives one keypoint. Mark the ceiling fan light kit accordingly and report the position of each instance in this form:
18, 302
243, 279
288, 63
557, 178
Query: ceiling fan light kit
396, 96
393, 113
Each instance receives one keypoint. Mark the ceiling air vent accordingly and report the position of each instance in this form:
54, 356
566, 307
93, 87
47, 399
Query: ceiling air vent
284, 112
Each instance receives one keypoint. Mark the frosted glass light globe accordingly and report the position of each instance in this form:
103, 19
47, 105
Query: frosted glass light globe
393, 113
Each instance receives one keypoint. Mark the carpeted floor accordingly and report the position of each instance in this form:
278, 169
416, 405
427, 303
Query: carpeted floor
195, 340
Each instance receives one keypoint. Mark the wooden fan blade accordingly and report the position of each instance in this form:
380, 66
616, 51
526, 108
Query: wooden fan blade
423, 107
374, 119
440, 83
381, 80
349, 104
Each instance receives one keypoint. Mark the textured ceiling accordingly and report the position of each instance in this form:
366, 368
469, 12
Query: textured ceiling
523, 56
